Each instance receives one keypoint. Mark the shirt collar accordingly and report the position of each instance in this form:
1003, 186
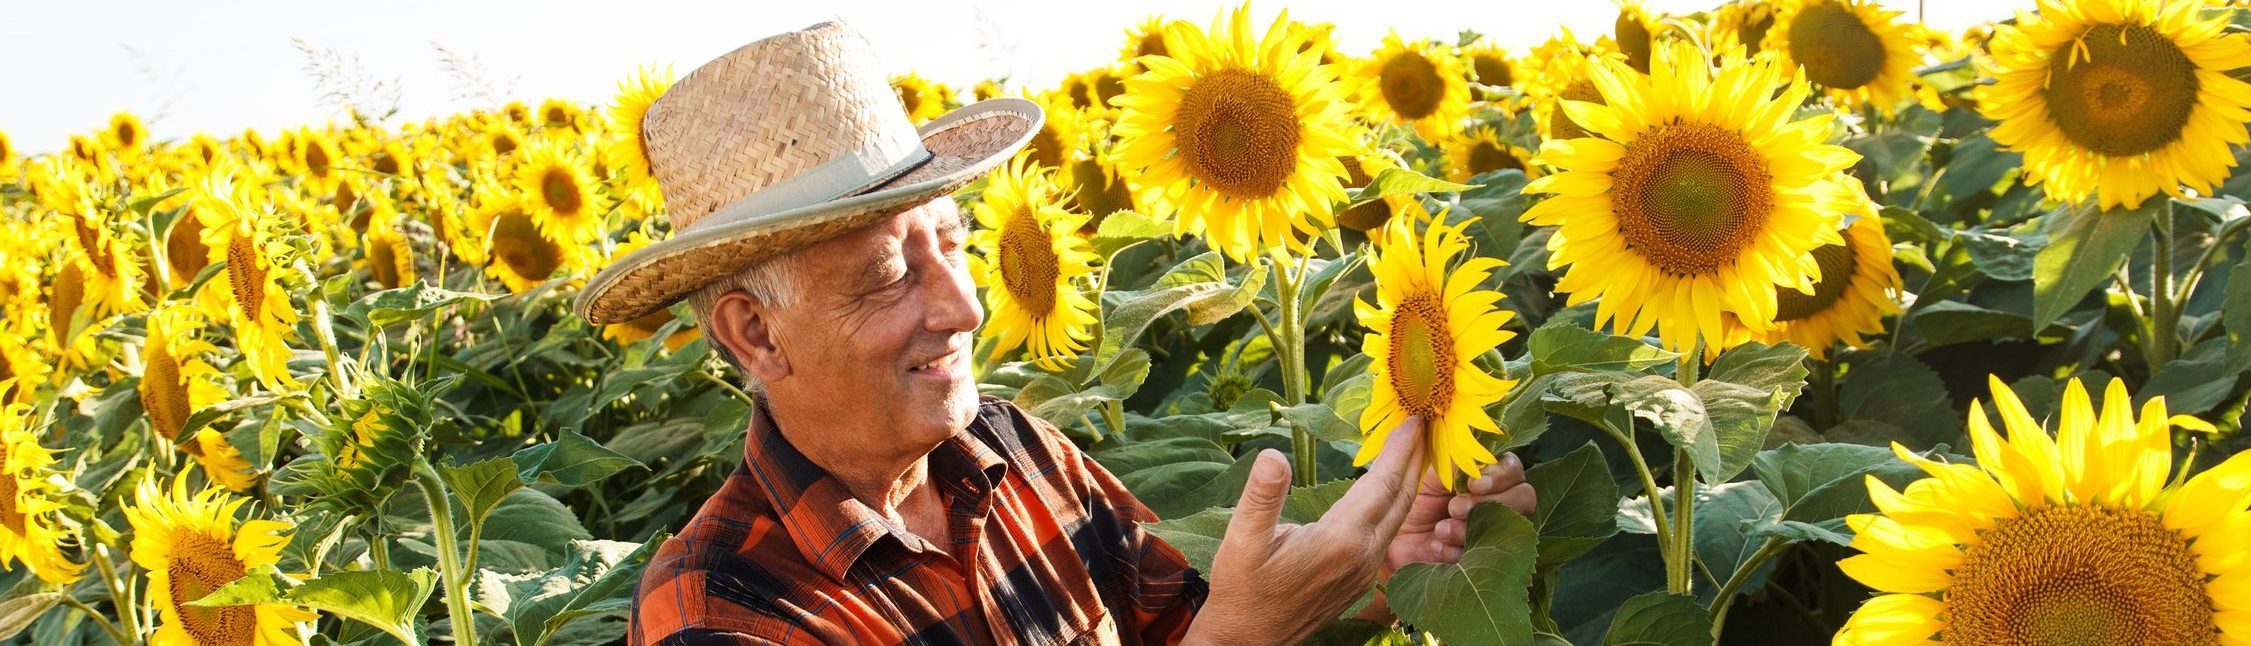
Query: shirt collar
831, 528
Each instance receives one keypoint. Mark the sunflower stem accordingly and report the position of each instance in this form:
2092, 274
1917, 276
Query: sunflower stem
2217, 250
1288, 337
1684, 512
120, 593
450, 572
2165, 323
1767, 551
103, 621
1649, 487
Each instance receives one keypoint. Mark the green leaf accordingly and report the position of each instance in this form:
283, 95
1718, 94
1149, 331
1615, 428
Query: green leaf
1484, 599
385, 599
2196, 381
1563, 347
596, 577
1317, 419
1946, 323
414, 302
17, 613
1499, 204
1678, 414
2235, 313
1402, 181
1660, 618
1900, 392
1792, 471
481, 486
1054, 399
1175, 490
2085, 248
1198, 284
573, 460
1124, 229
255, 587
1725, 516
1578, 504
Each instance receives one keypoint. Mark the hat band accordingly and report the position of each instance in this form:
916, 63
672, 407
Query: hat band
856, 171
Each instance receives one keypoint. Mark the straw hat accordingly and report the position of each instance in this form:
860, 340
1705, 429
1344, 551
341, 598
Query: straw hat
783, 143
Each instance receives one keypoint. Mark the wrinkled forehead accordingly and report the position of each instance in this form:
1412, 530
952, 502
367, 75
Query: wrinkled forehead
881, 242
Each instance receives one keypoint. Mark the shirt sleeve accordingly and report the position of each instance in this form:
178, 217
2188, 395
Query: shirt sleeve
1165, 590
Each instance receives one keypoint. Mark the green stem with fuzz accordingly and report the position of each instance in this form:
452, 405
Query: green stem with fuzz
1767, 551
1288, 336
450, 572
2165, 317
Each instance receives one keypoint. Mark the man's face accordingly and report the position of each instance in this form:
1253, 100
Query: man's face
882, 336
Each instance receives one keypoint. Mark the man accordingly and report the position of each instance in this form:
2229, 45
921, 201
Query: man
880, 501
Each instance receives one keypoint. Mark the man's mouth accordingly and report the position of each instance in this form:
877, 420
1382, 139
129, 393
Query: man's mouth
944, 366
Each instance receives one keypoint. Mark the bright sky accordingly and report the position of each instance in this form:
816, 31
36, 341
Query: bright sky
225, 66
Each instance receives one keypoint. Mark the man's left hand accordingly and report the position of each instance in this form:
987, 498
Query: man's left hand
1437, 527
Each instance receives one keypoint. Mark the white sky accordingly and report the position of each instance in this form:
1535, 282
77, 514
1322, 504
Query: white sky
224, 65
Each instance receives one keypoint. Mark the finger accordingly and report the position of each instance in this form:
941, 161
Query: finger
1521, 498
1431, 486
1458, 508
1499, 476
1260, 507
1402, 502
1452, 532
1373, 497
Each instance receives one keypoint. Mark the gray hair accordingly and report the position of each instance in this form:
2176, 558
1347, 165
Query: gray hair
773, 282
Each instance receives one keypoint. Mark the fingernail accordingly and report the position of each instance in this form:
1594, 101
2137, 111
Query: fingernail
1511, 460
1269, 468
1483, 483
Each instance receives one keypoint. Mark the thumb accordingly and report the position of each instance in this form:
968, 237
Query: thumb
1260, 508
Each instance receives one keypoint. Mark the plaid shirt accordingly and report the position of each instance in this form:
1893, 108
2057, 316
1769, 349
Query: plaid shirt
783, 554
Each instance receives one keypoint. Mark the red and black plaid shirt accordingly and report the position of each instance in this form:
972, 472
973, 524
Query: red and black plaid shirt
783, 554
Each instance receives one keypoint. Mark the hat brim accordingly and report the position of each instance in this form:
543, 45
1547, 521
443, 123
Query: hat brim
964, 145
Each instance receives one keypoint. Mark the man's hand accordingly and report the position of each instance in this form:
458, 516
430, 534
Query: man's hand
1276, 584
1437, 528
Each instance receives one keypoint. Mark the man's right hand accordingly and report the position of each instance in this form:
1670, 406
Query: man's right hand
1275, 583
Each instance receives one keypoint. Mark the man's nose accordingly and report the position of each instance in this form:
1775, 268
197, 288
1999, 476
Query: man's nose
953, 302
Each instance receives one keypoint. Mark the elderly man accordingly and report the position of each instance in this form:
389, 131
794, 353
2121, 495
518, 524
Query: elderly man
880, 500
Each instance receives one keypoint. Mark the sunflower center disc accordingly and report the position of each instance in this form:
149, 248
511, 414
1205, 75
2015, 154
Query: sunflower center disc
2121, 90
1365, 216
1837, 266
1484, 157
201, 564
383, 262
247, 278
1098, 191
2080, 575
1046, 146
1491, 70
1411, 85
1422, 356
1836, 48
11, 518
1028, 263
1238, 132
1689, 197
517, 242
163, 393
316, 159
561, 190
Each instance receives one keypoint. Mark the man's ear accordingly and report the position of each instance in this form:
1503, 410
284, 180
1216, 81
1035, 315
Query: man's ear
740, 323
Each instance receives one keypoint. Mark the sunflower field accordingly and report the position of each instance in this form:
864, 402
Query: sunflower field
1813, 324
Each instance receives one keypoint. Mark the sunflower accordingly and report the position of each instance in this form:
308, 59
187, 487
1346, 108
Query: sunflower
1029, 260
923, 99
319, 161
2123, 98
986, 89
110, 270
1415, 85
28, 504
176, 381
1096, 188
1361, 169
125, 134
1426, 328
221, 462
1697, 196
1858, 53
629, 160
557, 113
251, 297
1488, 63
1482, 151
499, 139
1635, 33
1857, 289
9, 158
1564, 75
1742, 23
190, 546
558, 192
1145, 39
647, 325
390, 260
515, 249
1062, 135
2083, 538
1235, 135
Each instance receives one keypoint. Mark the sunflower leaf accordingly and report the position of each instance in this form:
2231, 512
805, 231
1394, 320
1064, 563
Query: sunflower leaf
1401, 181
394, 306
2086, 246
1661, 618
18, 612
596, 577
1564, 347
2235, 314
385, 599
1578, 504
1484, 598
573, 460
